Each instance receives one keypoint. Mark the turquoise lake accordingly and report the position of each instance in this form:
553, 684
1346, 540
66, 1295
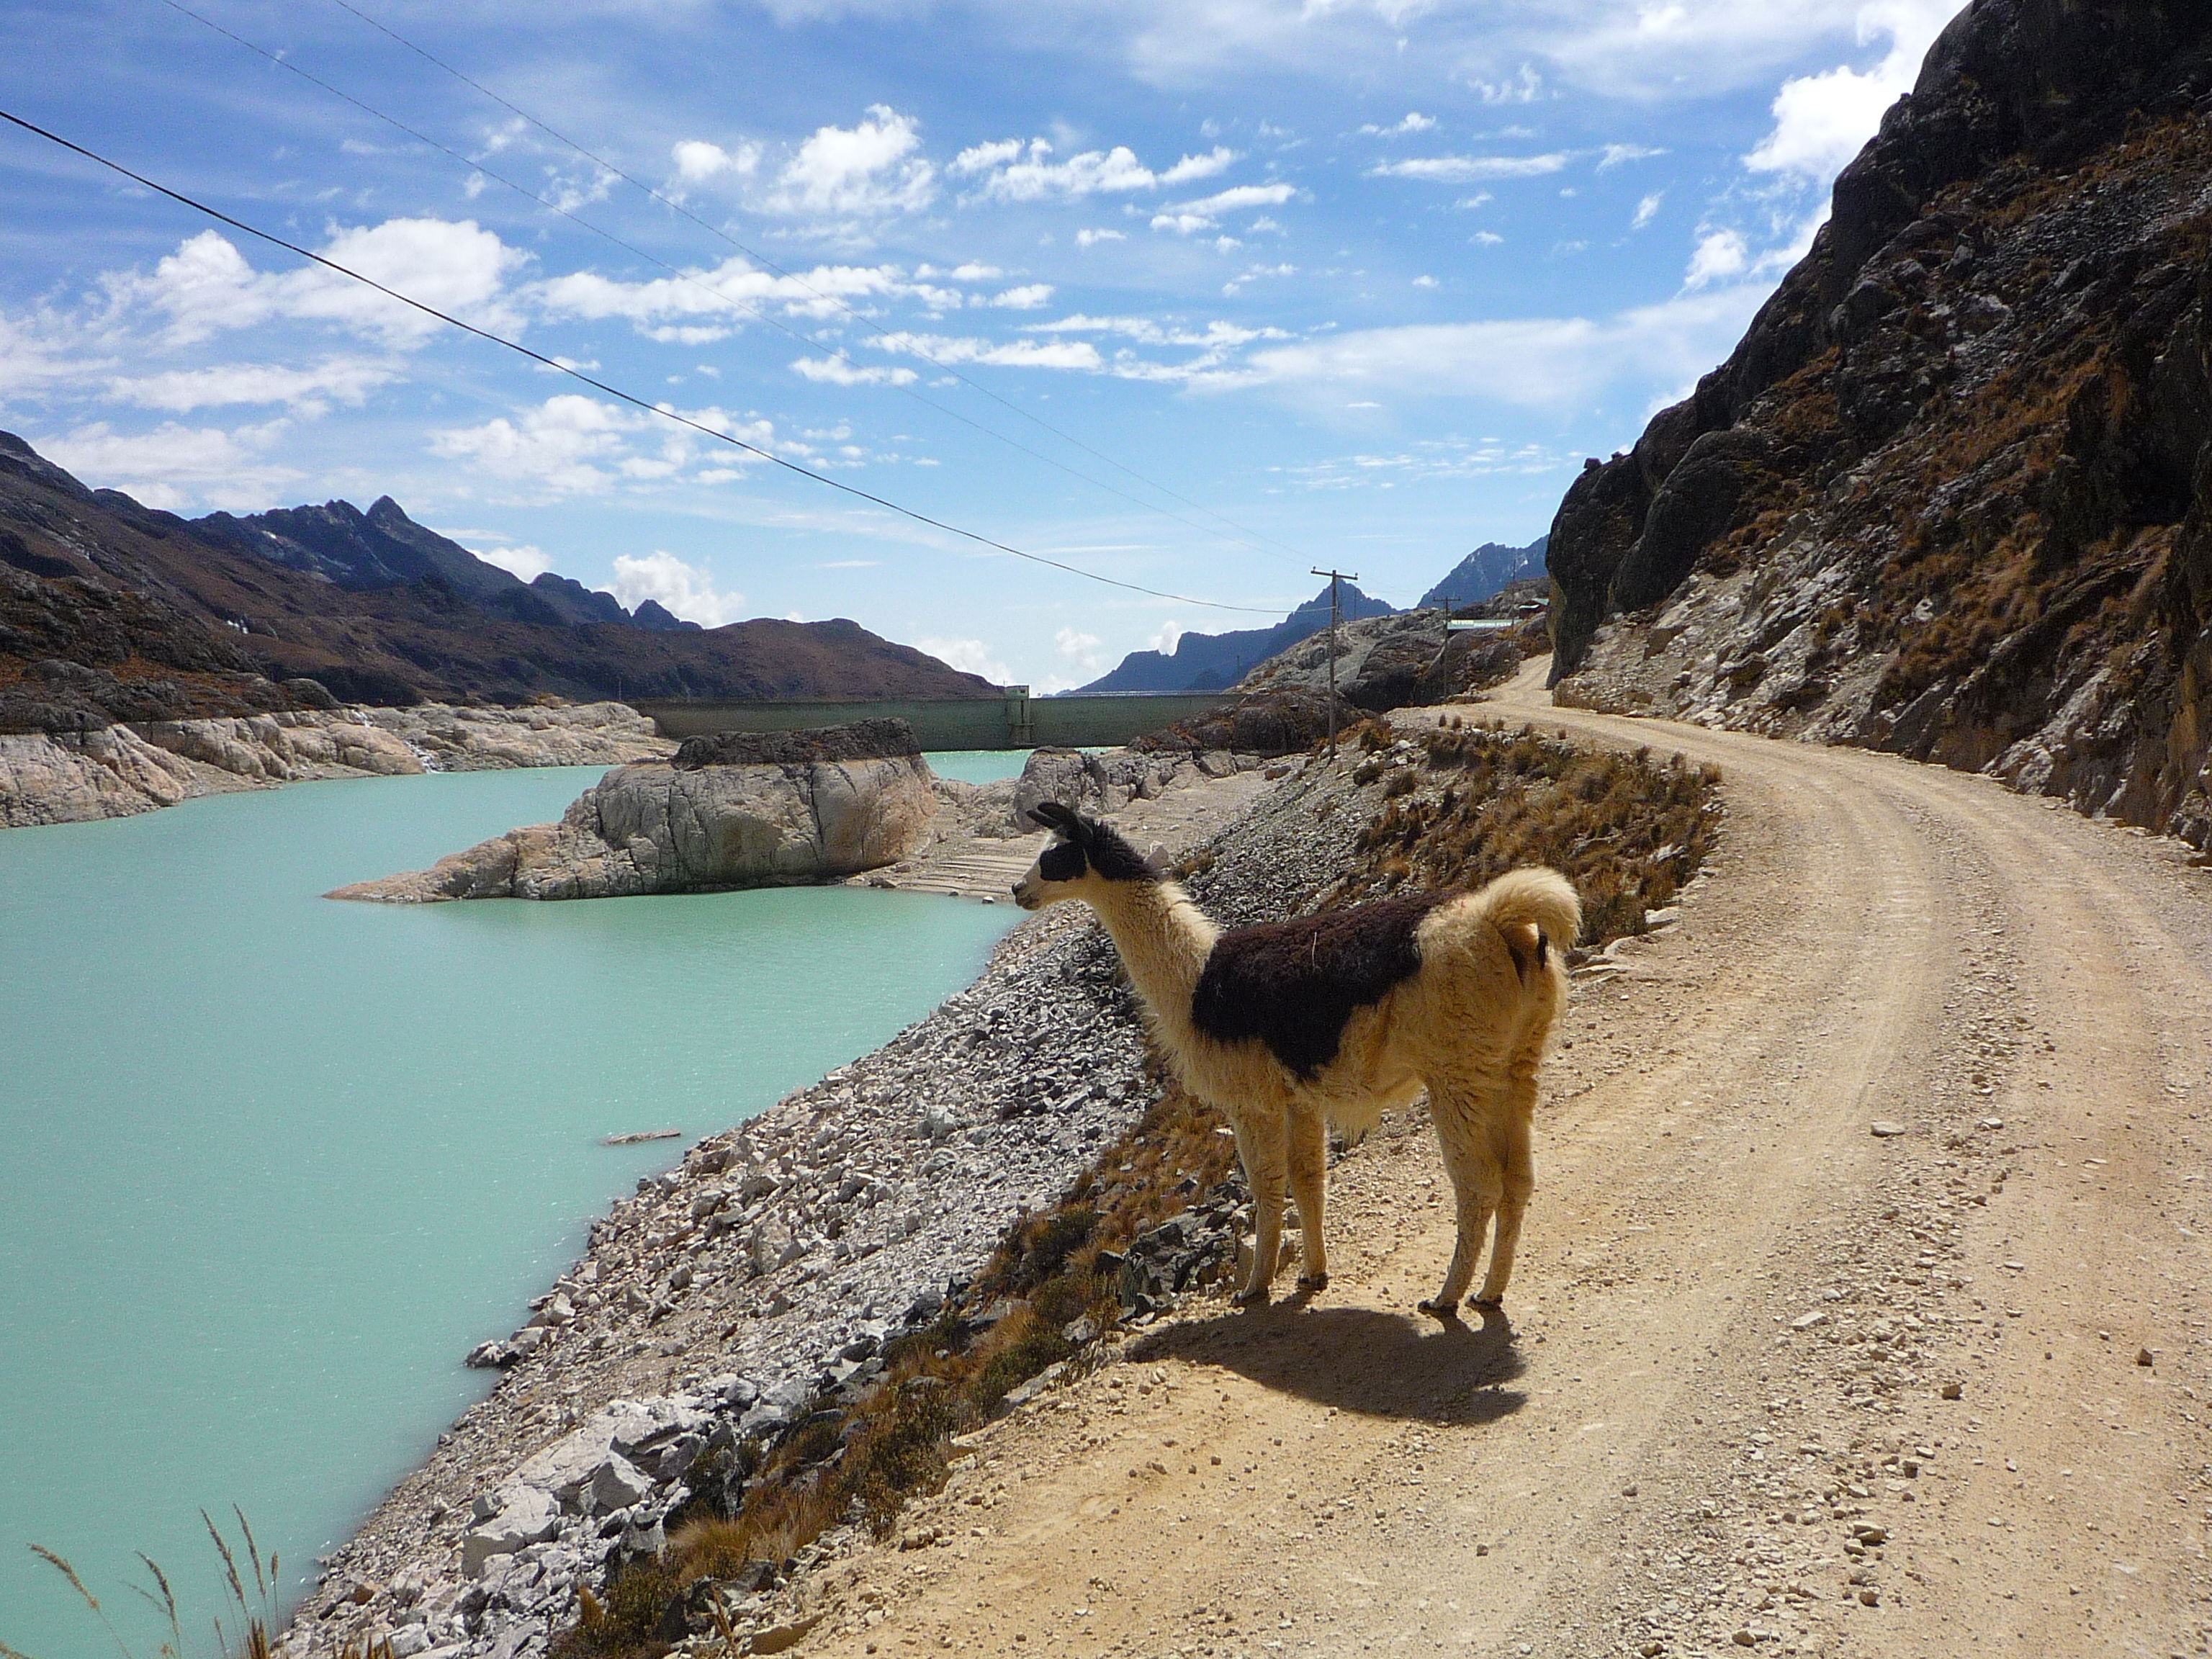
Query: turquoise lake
270, 1165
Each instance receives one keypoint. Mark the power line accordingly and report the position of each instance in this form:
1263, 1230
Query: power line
617, 393
684, 276
762, 260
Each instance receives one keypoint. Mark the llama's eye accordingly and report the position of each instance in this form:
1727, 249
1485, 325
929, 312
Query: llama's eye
1062, 862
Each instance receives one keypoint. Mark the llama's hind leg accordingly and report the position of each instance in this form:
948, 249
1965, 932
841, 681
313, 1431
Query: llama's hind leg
1260, 1149
1478, 1183
1520, 1173
1309, 1162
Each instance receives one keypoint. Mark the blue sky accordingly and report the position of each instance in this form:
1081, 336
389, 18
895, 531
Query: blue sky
1195, 294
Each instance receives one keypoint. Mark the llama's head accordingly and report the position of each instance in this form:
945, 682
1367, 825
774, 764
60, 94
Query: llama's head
1084, 855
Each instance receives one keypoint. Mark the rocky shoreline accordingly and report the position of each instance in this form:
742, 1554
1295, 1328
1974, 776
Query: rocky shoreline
121, 770
767, 1270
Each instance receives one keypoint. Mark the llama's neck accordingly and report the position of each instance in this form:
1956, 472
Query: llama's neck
1164, 939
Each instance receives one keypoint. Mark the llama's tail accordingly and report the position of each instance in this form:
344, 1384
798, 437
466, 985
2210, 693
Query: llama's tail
1538, 898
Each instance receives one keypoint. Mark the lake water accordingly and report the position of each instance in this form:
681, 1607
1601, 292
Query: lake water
269, 1164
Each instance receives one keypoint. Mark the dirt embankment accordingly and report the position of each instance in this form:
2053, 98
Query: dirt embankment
1860, 1310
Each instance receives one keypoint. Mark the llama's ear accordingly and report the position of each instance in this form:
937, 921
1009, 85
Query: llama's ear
1061, 820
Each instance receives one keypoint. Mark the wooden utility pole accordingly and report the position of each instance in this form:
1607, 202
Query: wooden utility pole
1335, 610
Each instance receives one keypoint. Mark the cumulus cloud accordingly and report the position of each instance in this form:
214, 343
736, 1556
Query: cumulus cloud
867, 171
1470, 169
684, 589
840, 370
174, 467
1720, 254
1821, 120
1414, 122
1079, 648
207, 286
1549, 363
1204, 213
1028, 297
1013, 354
1086, 237
970, 657
1168, 638
523, 560
697, 161
308, 391
568, 444
1524, 86
706, 303
1014, 172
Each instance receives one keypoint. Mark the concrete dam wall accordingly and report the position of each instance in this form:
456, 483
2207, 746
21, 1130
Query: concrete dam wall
1015, 721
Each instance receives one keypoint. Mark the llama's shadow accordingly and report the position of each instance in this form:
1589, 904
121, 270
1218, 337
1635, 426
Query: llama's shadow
1360, 1359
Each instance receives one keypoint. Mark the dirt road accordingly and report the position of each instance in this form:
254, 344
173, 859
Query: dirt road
1715, 1415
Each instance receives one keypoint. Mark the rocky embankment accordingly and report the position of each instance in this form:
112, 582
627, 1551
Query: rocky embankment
115, 771
1951, 494
741, 809
726, 1298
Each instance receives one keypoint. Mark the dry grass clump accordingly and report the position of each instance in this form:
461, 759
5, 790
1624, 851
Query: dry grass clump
1626, 829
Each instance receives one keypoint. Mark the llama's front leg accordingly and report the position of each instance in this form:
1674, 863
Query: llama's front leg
1260, 1148
1308, 1160
1478, 1185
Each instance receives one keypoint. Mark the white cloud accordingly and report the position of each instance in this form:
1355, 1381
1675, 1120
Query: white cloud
1079, 648
1470, 169
666, 307
840, 370
1028, 297
1821, 120
697, 161
566, 445
1721, 254
35, 354
1186, 217
1093, 173
684, 589
1647, 210
1086, 237
1425, 281
866, 171
207, 285
1414, 122
1015, 354
970, 657
525, 561
1525, 86
1168, 638
1487, 238
176, 467
1613, 155
972, 272
1253, 273
308, 391
1548, 362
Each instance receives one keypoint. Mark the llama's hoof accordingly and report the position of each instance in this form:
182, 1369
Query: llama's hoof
1313, 1281
1253, 1296
1440, 1308
1498, 1301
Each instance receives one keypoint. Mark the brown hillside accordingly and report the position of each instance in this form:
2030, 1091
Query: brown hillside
110, 611
1951, 494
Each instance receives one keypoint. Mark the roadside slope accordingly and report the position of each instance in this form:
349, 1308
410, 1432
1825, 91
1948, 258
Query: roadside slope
1713, 1414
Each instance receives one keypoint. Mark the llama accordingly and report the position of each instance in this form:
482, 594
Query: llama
1293, 1026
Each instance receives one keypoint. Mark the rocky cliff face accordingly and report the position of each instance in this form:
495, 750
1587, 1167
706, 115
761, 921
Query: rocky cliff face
1951, 494
785, 808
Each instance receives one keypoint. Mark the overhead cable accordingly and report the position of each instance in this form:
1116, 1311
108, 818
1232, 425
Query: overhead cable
691, 278
764, 261
614, 392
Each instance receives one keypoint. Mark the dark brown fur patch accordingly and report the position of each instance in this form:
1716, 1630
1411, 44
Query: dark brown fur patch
1294, 984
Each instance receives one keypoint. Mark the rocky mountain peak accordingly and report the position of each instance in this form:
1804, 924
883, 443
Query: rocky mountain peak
1948, 496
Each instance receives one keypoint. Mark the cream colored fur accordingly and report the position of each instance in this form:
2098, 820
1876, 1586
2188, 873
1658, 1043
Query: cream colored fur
1470, 1027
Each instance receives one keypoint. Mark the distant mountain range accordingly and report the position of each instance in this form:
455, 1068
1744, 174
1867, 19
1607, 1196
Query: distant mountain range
1214, 662
111, 610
